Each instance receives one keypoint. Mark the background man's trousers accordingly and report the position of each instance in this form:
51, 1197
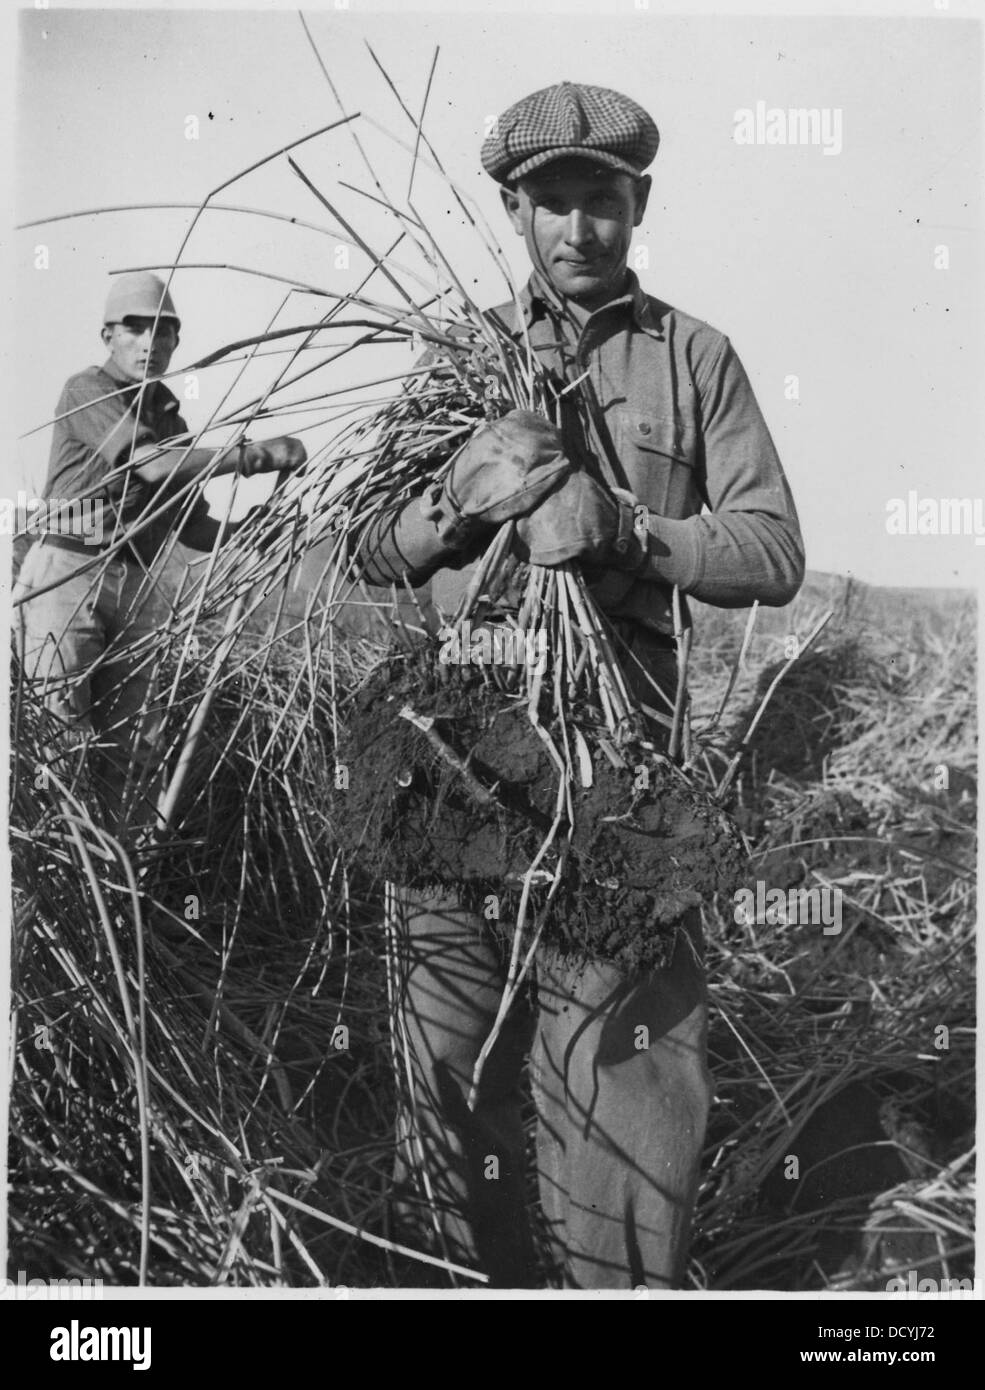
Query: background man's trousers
621, 1089
83, 646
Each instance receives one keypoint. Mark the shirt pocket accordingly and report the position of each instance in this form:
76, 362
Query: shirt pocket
659, 459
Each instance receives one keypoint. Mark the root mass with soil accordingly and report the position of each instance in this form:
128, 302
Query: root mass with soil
468, 801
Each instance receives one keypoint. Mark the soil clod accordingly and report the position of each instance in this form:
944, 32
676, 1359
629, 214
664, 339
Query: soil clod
468, 799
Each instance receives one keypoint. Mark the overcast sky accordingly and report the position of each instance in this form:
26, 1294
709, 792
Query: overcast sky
818, 266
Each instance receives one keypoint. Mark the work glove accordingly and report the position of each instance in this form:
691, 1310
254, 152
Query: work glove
277, 455
503, 472
584, 521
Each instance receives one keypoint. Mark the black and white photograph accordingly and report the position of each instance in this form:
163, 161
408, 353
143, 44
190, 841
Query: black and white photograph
494, 521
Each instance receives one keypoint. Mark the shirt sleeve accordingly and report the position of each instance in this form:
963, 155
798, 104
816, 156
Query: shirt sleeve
748, 545
94, 433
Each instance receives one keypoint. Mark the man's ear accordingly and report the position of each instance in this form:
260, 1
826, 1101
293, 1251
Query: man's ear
106, 333
511, 202
643, 186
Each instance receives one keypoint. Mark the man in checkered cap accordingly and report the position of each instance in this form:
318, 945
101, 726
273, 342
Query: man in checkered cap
665, 427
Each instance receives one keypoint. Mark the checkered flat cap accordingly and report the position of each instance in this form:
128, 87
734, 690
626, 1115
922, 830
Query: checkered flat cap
570, 120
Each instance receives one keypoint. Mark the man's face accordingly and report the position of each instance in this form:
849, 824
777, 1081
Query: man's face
577, 221
136, 350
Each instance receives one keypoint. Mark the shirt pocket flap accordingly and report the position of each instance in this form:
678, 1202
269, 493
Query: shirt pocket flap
656, 434
658, 457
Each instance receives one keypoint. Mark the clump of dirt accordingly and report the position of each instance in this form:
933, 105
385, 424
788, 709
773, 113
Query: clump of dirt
469, 801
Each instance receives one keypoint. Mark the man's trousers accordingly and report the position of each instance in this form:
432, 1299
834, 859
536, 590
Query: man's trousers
620, 1086
86, 646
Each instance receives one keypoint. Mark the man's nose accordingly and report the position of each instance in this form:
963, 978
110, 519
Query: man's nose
579, 230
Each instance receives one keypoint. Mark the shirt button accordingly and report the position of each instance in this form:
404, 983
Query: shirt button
644, 427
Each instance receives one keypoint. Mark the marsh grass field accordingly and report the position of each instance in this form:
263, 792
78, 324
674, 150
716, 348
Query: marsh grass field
203, 1068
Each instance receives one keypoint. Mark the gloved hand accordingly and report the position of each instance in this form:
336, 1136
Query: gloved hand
503, 472
277, 455
583, 520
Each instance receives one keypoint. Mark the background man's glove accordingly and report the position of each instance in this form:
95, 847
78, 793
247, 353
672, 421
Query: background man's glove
271, 456
503, 472
582, 520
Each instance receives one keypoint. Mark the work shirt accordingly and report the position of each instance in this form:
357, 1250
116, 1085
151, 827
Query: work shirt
672, 419
102, 418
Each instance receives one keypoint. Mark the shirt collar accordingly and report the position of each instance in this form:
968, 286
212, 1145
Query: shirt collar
535, 301
157, 392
